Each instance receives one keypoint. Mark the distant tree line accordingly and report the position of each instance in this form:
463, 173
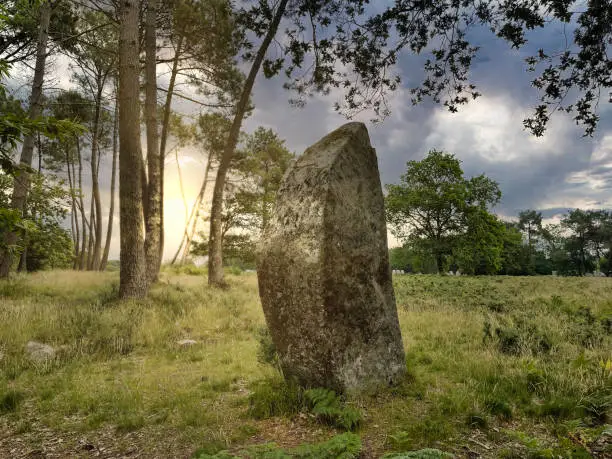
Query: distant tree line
219, 49
445, 223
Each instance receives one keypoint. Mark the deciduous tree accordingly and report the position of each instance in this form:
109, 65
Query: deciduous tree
433, 204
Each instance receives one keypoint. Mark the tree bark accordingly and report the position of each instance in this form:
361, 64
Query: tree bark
164, 139
94, 263
92, 234
153, 219
215, 246
74, 221
111, 212
22, 176
132, 281
84, 223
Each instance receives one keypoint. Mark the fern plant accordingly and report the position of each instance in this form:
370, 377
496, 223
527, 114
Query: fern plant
326, 405
427, 453
344, 446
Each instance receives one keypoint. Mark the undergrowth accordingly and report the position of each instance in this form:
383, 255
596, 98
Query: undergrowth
343, 446
521, 364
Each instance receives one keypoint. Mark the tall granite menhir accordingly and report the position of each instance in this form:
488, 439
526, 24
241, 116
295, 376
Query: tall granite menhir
323, 269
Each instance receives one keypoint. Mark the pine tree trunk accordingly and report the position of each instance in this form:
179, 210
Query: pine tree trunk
132, 281
153, 221
94, 263
215, 246
188, 216
22, 176
164, 139
111, 212
84, 223
74, 221
92, 234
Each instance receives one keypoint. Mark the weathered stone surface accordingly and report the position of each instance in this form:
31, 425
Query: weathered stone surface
39, 352
323, 269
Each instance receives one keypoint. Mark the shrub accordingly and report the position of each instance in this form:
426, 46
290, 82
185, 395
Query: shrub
326, 405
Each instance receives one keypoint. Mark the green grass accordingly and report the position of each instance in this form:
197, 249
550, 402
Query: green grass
515, 364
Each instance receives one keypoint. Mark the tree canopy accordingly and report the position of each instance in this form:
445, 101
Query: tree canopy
434, 206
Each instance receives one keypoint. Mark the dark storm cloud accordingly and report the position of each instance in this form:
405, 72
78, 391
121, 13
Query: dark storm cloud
560, 171
487, 135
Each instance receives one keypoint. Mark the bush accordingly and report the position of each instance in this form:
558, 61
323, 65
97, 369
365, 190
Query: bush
326, 405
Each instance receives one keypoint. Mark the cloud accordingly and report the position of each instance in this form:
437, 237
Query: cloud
558, 171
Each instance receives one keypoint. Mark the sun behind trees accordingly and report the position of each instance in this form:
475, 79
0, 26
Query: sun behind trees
347, 47
196, 40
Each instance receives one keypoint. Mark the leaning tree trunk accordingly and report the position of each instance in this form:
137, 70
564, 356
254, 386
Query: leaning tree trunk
92, 234
84, 222
22, 177
111, 212
164, 139
95, 188
215, 247
132, 276
188, 216
74, 220
196, 212
153, 197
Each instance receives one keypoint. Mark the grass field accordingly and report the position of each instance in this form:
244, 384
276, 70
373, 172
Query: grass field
498, 367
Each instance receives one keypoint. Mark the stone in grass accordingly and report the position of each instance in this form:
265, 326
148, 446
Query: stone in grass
186, 342
39, 352
323, 269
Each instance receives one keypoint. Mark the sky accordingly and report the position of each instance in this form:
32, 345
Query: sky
556, 172
553, 173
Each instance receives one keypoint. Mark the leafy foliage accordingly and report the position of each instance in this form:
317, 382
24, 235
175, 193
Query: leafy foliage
427, 453
19, 27
438, 210
343, 446
326, 405
258, 168
367, 42
276, 397
48, 244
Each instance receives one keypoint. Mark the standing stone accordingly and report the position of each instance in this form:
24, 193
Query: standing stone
323, 269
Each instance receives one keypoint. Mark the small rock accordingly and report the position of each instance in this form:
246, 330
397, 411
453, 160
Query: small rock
40, 352
186, 342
